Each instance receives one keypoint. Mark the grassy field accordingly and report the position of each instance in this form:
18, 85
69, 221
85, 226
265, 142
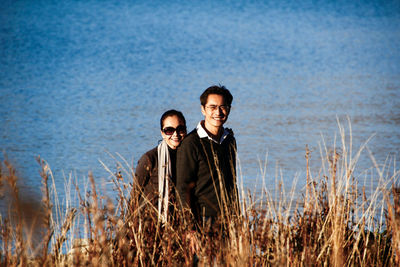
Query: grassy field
335, 223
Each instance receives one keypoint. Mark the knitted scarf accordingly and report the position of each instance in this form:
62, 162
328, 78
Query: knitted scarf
164, 174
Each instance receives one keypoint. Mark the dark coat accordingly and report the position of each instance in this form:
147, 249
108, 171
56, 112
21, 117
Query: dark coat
201, 162
147, 174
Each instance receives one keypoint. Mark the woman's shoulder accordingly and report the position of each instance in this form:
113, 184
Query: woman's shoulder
150, 155
152, 152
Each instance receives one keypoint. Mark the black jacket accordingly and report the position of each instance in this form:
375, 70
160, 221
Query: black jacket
208, 166
147, 174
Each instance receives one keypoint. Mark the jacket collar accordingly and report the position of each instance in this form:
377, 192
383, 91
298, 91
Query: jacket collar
203, 134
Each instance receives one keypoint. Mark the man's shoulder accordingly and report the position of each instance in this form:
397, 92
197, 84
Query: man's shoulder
191, 139
231, 136
230, 132
192, 136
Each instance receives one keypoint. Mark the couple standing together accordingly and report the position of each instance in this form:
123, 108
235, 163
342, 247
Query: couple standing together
196, 171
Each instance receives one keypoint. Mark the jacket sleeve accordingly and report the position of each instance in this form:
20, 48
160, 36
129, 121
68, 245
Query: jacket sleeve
186, 170
143, 171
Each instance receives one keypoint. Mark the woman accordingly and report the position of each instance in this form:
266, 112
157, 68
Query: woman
156, 169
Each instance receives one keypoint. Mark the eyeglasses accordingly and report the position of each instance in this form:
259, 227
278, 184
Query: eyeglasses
170, 130
224, 108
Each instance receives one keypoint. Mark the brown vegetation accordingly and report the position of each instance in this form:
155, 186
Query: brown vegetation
335, 224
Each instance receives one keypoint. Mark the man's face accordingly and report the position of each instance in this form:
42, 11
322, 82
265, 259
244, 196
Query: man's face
215, 111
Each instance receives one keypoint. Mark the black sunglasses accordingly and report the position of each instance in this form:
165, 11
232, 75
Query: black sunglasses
170, 130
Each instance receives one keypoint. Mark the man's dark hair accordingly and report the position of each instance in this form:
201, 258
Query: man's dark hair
217, 90
169, 113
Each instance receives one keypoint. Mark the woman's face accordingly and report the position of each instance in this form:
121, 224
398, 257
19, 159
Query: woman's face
173, 131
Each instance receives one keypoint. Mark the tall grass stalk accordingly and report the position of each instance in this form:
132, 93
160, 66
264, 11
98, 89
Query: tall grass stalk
336, 222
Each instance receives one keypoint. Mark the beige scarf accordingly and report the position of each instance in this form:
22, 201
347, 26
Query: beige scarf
164, 174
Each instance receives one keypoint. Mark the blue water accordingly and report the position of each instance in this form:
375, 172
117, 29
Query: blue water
79, 79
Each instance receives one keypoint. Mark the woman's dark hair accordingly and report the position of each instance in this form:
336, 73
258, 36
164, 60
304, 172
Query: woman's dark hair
217, 90
169, 113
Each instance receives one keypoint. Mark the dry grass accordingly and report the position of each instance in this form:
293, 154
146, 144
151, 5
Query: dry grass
336, 224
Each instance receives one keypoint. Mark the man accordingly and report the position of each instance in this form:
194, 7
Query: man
206, 159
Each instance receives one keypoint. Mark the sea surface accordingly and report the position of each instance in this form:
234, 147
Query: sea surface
85, 82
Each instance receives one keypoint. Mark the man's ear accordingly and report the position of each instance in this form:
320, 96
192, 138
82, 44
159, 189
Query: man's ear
203, 111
